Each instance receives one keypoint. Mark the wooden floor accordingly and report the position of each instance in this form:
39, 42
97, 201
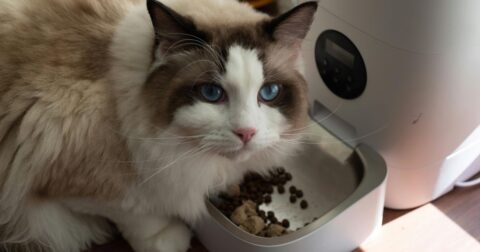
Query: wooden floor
451, 223
462, 206
455, 216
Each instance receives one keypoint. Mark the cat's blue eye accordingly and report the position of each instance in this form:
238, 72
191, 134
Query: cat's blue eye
212, 92
269, 92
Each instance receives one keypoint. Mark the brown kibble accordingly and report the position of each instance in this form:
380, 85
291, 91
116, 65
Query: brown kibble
262, 214
269, 189
274, 230
273, 219
252, 188
241, 202
267, 199
292, 189
299, 193
270, 214
288, 176
303, 204
293, 199
254, 224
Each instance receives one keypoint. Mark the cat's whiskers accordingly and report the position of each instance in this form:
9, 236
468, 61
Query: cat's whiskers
296, 142
195, 40
307, 126
168, 138
280, 151
158, 141
190, 154
214, 77
334, 139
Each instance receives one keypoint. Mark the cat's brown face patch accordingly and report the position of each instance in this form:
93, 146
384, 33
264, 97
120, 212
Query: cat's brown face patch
198, 60
171, 85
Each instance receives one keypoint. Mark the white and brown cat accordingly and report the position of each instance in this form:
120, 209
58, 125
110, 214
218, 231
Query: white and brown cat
133, 112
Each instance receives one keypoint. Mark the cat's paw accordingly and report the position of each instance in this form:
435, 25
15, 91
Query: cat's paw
174, 238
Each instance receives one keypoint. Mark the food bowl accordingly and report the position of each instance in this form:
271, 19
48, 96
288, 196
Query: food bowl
344, 187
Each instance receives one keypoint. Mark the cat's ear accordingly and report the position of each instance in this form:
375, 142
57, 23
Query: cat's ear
169, 26
291, 27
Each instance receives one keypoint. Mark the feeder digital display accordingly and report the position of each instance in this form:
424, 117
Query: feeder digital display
339, 53
340, 64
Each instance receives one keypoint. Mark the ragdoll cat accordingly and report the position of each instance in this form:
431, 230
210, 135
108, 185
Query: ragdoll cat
133, 112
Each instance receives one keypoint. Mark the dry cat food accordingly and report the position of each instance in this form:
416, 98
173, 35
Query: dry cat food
241, 203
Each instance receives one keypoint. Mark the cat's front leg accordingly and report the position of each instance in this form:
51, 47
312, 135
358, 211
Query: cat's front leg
154, 234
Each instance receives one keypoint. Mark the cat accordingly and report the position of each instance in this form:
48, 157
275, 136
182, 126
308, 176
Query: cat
132, 112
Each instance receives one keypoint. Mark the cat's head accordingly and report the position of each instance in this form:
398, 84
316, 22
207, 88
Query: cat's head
233, 87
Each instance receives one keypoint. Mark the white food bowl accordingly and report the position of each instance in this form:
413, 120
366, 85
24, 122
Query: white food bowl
344, 188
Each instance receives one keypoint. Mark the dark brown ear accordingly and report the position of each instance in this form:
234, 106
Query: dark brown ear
291, 27
171, 27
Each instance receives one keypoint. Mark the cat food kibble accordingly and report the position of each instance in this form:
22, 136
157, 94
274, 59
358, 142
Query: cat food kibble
267, 199
270, 189
288, 176
292, 189
299, 193
270, 214
293, 199
273, 219
241, 203
262, 214
303, 204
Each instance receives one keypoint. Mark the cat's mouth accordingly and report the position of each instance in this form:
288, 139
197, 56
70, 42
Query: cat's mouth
237, 154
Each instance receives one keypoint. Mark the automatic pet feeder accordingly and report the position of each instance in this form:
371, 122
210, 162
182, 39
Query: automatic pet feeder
402, 77
399, 76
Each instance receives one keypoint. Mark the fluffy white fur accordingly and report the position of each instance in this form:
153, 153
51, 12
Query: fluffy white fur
64, 230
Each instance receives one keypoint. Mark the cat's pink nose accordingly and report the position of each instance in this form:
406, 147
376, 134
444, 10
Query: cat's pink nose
245, 134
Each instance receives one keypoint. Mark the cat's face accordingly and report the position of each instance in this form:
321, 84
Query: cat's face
236, 91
